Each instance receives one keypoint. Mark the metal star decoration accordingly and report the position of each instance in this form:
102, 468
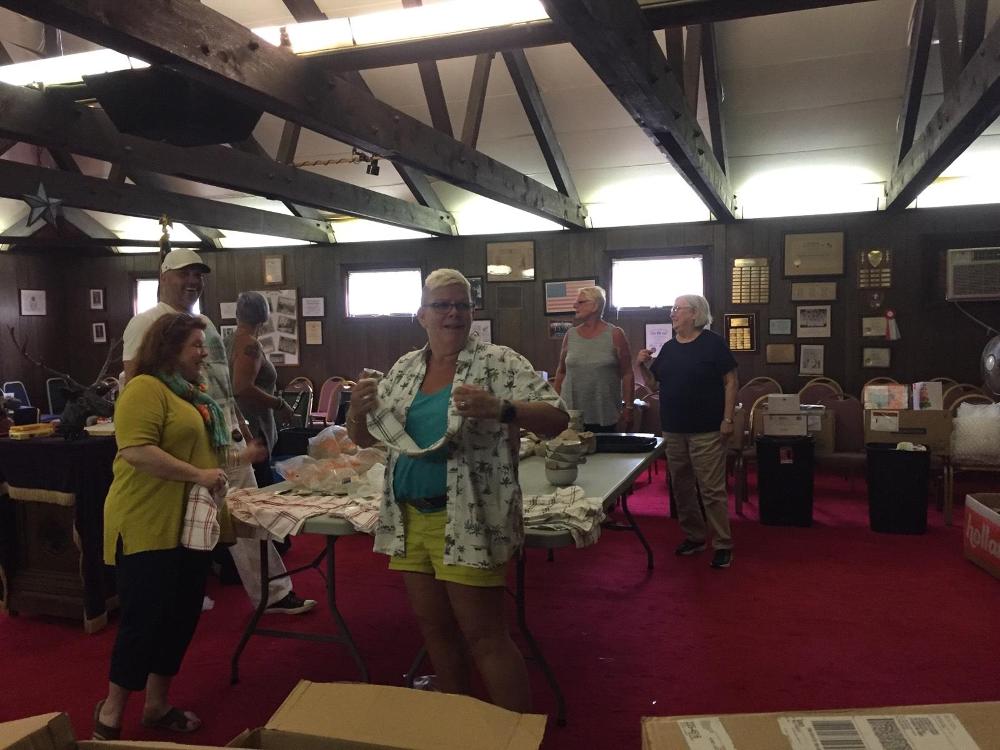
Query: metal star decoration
42, 207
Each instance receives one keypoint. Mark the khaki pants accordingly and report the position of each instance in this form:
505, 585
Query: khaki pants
700, 456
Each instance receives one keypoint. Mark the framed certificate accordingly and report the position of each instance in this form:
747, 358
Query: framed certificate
814, 254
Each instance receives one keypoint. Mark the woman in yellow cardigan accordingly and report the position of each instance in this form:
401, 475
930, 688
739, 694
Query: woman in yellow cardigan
169, 433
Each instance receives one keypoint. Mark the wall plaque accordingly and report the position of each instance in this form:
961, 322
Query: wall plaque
751, 281
819, 254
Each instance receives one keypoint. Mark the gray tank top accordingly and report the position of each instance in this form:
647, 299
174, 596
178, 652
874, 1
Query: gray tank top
593, 384
261, 420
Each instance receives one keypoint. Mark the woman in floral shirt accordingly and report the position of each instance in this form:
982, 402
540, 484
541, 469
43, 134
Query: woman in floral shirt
450, 415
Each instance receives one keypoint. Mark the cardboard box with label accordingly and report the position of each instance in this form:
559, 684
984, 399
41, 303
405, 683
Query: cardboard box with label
965, 726
784, 425
333, 716
927, 427
982, 531
782, 403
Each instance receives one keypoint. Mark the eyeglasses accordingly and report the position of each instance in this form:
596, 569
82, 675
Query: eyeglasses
445, 307
682, 307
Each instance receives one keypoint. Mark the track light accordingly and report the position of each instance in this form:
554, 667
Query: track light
372, 167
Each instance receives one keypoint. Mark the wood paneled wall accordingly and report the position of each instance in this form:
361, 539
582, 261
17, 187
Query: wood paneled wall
937, 339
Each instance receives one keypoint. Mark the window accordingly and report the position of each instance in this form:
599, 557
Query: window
145, 296
383, 292
655, 282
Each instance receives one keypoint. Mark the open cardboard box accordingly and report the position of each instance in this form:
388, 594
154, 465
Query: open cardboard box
982, 531
962, 723
333, 716
927, 426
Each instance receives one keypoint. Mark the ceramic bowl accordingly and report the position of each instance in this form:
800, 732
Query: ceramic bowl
561, 477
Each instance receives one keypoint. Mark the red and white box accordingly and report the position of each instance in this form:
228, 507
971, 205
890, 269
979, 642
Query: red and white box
982, 531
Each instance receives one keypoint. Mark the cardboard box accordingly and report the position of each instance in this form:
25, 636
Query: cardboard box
982, 531
889, 396
930, 428
782, 403
55, 732
334, 716
929, 395
786, 424
348, 716
821, 425
963, 723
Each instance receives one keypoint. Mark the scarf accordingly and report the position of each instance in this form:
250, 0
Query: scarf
215, 421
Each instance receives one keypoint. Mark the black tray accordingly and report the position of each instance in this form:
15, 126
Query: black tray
625, 442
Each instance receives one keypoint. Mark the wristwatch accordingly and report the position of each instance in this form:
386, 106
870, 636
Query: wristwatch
508, 412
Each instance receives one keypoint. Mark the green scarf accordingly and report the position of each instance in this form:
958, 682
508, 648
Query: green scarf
215, 421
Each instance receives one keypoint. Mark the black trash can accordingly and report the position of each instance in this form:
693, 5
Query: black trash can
785, 480
897, 489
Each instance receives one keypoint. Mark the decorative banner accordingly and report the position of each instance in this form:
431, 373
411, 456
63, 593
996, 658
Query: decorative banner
279, 336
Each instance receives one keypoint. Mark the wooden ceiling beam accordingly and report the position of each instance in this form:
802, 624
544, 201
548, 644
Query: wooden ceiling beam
95, 194
541, 124
617, 42
973, 28
208, 236
921, 33
49, 120
971, 107
252, 146
206, 45
674, 38
692, 67
430, 77
477, 99
542, 33
947, 28
713, 95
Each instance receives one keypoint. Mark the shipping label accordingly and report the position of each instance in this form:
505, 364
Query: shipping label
705, 734
901, 732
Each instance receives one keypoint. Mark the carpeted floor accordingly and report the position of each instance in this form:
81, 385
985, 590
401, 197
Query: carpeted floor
828, 616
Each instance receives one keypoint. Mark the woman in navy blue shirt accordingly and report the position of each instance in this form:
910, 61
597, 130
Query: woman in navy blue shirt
696, 376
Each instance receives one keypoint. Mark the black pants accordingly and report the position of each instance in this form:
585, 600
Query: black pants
161, 595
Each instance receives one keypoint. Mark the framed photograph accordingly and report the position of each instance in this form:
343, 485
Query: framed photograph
99, 333
227, 310
559, 328
32, 302
875, 356
476, 282
779, 354
560, 295
314, 332
812, 322
228, 333
874, 326
274, 269
780, 327
483, 329
510, 261
279, 336
313, 307
811, 359
817, 254
814, 291
96, 299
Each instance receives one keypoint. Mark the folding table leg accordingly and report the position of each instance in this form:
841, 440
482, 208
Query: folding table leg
536, 651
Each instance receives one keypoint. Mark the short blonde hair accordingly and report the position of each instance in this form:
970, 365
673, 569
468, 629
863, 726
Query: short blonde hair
597, 295
445, 277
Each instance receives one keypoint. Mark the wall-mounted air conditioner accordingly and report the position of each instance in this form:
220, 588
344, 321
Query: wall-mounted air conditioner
973, 273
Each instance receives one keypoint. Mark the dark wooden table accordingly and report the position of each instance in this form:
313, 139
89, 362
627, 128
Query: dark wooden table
51, 544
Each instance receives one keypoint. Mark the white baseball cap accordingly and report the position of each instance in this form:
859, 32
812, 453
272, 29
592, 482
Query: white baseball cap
182, 257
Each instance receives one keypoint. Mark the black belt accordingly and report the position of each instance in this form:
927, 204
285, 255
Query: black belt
427, 503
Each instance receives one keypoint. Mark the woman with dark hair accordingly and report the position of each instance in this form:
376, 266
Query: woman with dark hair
254, 378
169, 432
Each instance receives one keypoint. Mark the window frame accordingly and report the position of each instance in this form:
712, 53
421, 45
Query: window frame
348, 268
666, 253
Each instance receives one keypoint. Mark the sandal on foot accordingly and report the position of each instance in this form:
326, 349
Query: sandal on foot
101, 730
174, 720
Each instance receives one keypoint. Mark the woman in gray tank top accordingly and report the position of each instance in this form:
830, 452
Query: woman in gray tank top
254, 377
595, 366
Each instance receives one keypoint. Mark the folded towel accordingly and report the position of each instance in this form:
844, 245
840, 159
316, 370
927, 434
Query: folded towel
200, 529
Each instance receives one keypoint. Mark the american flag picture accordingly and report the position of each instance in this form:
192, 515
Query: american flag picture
560, 295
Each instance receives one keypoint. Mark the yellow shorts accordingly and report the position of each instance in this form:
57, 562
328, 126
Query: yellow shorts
425, 552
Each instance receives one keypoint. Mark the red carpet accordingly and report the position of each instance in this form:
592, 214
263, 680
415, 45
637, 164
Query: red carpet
829, 616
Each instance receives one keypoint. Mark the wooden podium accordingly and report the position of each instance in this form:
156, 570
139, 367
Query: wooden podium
51, 545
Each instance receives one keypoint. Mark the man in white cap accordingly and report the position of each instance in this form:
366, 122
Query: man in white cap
181, 284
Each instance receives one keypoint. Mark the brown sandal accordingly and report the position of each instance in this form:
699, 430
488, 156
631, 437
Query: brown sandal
103, 731
174, 720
